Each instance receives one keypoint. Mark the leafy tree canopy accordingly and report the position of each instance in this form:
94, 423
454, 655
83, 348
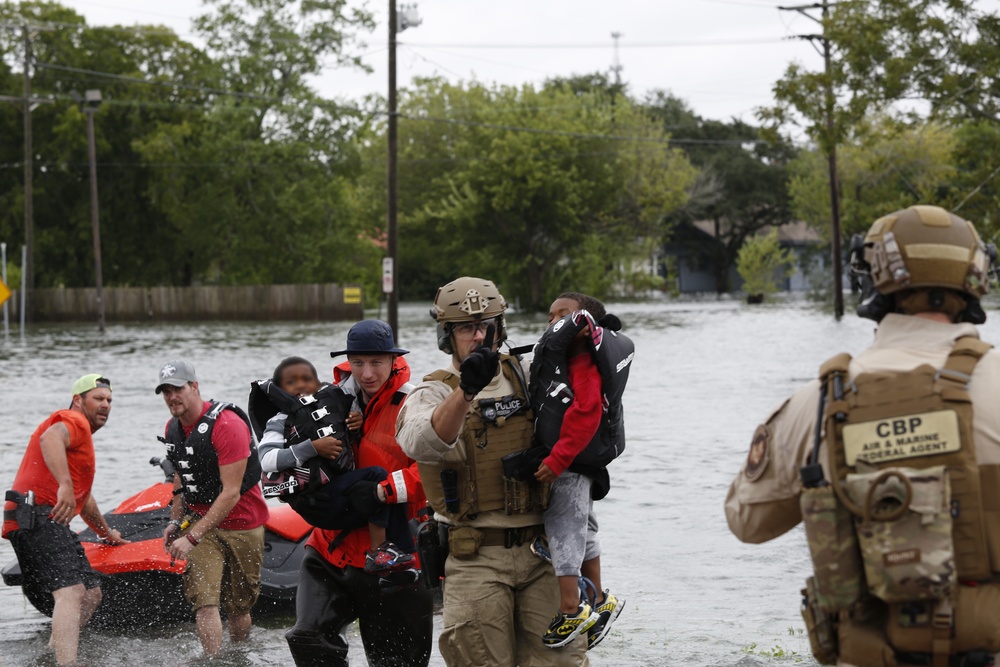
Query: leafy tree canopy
515, 182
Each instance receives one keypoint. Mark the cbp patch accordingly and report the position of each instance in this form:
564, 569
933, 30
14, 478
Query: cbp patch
760, 453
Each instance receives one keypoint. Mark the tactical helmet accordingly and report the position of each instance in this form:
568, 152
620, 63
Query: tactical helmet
924, 249
467, 299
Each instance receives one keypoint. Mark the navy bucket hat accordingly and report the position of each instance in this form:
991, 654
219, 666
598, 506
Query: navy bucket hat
370, 337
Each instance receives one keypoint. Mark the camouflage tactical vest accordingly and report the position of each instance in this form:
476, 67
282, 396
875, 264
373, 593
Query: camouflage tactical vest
494, 427
907, 520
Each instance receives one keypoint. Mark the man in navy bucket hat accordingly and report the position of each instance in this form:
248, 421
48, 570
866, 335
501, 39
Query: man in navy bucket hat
337, 580
370, 337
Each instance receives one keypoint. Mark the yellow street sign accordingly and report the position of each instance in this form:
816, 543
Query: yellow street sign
4, 292
352, 295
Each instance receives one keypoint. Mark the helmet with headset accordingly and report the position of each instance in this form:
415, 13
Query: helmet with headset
467, 299
919, 259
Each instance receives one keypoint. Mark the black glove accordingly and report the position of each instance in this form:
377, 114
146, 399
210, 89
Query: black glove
480, 367
363, 497
610, 322
390, 582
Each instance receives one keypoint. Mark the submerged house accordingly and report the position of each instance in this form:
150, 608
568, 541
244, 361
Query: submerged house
700, 258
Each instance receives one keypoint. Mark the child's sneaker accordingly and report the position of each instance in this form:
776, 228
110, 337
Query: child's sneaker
397, 580
608, 612
387, 558
565, 628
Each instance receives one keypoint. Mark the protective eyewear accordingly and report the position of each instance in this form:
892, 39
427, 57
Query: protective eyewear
469, 329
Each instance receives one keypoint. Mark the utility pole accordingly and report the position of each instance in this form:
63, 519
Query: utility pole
390, 275
616, 69
831, 149
29, 209
28, 105
92, 100
389, 282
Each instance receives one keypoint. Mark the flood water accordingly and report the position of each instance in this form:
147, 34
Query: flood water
705, 374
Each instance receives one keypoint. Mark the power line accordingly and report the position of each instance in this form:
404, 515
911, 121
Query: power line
581, 135
413, 48
976, 190
741, 4
203, 89
134, 11
598, 45
150, 30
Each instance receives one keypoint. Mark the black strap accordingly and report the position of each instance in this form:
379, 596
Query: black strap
335, 542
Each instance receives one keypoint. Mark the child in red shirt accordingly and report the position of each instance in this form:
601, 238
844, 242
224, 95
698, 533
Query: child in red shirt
570, 522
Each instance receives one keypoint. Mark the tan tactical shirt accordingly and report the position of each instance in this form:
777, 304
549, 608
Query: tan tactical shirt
421, 443
763, 500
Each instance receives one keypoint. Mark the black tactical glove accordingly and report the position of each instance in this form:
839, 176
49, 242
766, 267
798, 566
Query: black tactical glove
480, 367
363, 497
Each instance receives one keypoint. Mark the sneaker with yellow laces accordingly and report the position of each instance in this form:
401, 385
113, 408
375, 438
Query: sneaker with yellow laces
564, 628
608, 611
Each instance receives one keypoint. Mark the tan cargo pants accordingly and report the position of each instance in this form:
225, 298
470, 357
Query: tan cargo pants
496, 608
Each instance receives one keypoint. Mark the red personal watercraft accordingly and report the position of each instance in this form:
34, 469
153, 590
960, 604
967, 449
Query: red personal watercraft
142, 587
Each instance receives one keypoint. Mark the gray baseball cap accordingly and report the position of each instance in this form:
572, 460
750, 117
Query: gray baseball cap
176, 373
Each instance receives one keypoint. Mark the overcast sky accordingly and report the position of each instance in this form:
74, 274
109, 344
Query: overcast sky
722, 56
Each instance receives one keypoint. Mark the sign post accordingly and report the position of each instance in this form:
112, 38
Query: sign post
4, 290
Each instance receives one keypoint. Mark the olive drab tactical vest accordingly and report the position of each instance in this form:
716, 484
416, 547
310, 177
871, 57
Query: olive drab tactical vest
909, 516
494, 427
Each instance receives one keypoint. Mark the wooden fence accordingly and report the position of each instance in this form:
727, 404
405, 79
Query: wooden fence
325, 302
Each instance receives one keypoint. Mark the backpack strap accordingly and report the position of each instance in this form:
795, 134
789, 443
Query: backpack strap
952, 380
832, 375
447, 377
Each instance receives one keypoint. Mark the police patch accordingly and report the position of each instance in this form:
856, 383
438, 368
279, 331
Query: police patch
760, 453
496, 410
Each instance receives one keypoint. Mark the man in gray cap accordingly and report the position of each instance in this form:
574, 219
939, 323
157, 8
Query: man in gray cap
218, 513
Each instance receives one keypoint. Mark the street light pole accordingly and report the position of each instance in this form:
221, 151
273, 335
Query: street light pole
92, 100
29, 213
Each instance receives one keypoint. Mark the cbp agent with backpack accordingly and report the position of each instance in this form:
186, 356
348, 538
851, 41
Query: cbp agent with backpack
892, 461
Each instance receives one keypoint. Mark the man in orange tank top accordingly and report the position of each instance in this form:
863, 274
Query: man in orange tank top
51, 487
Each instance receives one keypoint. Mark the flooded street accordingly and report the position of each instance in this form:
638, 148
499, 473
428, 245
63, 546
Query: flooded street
705, 374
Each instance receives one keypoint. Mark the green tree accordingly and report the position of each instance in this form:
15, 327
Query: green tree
896, 167
911, 60
261, 189
741, 186
975, 193
70, 57
534, 188
213, 166
762, 262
